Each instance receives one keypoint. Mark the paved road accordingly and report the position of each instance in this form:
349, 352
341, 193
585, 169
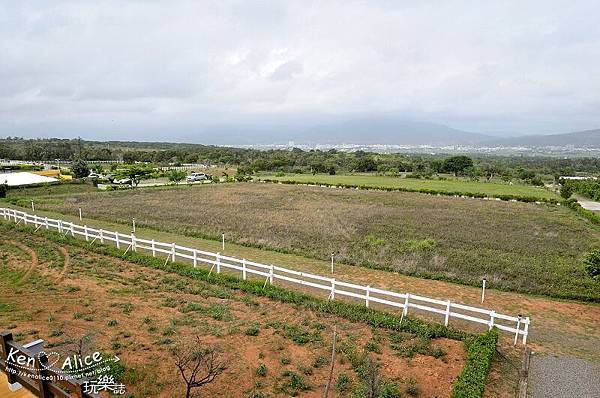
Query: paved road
563, 377
589, 204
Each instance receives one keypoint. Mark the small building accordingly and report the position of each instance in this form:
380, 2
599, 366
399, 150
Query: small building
24, 178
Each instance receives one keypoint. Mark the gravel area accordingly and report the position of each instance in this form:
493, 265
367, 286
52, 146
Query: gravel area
558, 377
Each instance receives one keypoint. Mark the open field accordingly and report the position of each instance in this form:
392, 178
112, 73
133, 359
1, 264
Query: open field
522, 247
451, 184
140, 313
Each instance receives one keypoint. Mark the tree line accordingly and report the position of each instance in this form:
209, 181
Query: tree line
295, 160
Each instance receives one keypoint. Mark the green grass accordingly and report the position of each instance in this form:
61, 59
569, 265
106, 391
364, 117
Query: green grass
451, 184
528, 248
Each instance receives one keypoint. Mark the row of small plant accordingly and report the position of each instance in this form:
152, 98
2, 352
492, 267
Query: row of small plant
505, 197
349, 311
480, 351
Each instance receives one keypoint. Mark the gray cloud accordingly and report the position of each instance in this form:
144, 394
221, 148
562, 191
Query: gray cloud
143, 67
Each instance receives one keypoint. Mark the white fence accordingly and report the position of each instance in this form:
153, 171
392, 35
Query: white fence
217, 262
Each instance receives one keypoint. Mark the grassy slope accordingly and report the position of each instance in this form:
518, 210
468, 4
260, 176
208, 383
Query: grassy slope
450, 185
522, 247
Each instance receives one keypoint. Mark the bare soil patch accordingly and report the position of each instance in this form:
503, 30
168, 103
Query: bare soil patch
139, 313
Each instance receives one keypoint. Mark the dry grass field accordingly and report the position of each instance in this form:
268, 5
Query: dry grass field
64, 293
522, 247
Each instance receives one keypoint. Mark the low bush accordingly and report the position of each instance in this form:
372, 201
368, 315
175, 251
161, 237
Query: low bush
261, 370
480, 351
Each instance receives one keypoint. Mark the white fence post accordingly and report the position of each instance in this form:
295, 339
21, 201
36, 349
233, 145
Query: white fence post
85, 233
102, 236
173, 252
244, 268
46, 221
447, 319
133, 243
405, 309
117, 240
367, 295
271, 275
518, 329
492, 315
526, 331
153, 248
218, 263
333, 288
195, 258
60, 227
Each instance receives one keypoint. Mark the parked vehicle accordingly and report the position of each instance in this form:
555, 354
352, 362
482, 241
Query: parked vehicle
123, 181
94, 175
196, 177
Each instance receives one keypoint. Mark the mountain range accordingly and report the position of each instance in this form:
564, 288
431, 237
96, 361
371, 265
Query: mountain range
387, 131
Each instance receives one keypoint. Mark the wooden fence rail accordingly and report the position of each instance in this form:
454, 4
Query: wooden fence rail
42, 381
517, 325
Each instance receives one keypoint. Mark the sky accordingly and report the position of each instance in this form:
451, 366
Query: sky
172, 70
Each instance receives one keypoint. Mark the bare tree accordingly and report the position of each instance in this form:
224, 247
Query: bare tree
197, 364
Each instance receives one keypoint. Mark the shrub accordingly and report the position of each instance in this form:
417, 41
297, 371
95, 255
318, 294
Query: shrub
480, 351
261, 370
592, 264
253, 329
413, 389
292, 383
3, 190
343, 383
566, 190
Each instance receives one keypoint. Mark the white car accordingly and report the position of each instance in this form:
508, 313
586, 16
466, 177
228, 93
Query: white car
196, 177
123, 181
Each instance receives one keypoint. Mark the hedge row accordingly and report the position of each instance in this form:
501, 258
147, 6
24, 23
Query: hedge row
480, 351
519, 198
352, 312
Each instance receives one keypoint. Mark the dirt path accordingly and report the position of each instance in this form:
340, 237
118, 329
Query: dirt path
67, 260
558, 327
34, 259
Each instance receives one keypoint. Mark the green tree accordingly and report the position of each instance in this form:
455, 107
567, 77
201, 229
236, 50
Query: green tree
176, 176
80, 168
566, 190
457, 164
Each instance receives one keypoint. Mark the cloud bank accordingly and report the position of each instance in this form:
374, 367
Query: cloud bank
167, 70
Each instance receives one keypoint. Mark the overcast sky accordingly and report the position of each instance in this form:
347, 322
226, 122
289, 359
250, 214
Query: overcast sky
167, 69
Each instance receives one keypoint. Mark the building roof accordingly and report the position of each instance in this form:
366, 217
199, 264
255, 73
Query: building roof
24, 178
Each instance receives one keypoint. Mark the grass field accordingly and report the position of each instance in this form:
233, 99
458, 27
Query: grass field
516, 246
140, 313
494, 188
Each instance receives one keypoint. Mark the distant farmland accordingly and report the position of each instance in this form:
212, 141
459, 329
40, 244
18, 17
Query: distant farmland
523, 247
493, 188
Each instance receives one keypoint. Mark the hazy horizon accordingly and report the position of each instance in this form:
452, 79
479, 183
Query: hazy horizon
189, 71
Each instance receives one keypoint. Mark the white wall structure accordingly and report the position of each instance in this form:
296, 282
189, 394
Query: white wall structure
24, 178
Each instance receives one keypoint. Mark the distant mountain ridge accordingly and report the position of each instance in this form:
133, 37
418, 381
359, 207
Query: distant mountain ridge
587, 138
382, 130
374, 130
